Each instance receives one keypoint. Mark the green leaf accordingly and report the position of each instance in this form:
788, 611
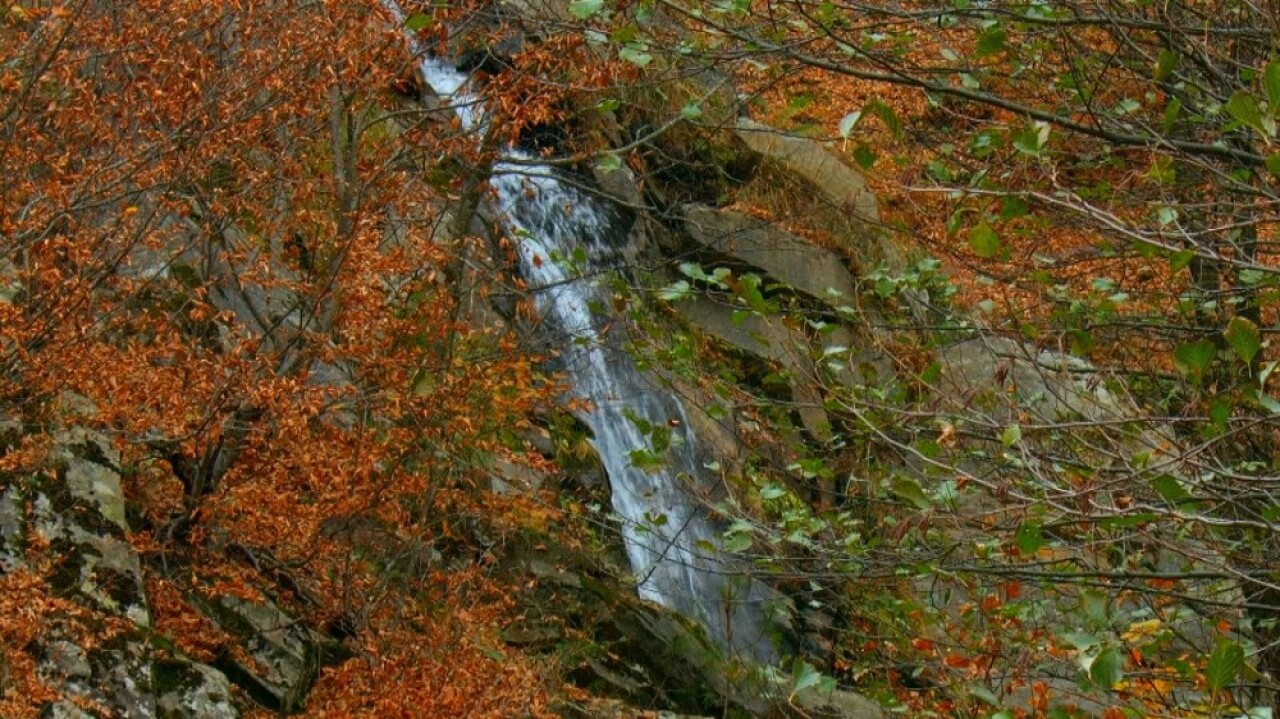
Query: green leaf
749, 289
1011, 435
1166, 63
1242, 335
609, 162
983, 241
676, 291
1268, 402
909, 490
1271, 84
1107, 669
1170, 489
878, 109
1243, 107
737, 542
1224, 665
1194, 358
1273, 163
804, 676
985, 694
1095, 607
1013, 207
772, 491
1265, 373
1171, 112
991, 41
691, 111
1079, 640
848, 122
864, 156
583, 9
416, 22
636, 55
1032, 140
1029, 538
1181, 259
1127, 106
886, 115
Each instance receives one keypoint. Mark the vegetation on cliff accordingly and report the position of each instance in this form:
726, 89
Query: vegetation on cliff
974, 300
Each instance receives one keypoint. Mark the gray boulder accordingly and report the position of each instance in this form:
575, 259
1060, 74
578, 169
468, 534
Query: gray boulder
286, 654
842, 185
795, 261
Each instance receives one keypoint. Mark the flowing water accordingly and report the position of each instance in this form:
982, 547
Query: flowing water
671, 542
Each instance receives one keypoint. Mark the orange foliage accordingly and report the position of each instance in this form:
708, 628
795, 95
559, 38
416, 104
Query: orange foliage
223, 246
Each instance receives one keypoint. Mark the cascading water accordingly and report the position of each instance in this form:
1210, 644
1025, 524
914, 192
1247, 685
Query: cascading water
671, 542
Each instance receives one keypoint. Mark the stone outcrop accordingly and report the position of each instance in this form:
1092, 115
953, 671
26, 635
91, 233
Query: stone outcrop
1008, 376
842, 185
286, 654
651, 655
847, 360
799, 263
80, 513
768, 339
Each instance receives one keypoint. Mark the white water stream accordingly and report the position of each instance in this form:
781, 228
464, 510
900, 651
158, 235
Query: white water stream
671, 542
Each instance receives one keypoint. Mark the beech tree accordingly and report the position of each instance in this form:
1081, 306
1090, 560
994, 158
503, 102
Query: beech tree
216, 247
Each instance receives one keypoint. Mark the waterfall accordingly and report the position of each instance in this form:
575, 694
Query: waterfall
671, 542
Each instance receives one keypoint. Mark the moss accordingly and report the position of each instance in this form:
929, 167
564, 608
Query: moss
171, 675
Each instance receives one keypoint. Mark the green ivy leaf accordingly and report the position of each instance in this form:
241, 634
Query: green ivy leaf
772, 491
609, 162
1011, 435
886, 115
1079, 640
678, 290
1242, 335
1224, 664
737, 542
749, 290
1268, 402
1032, 140
1181, 259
